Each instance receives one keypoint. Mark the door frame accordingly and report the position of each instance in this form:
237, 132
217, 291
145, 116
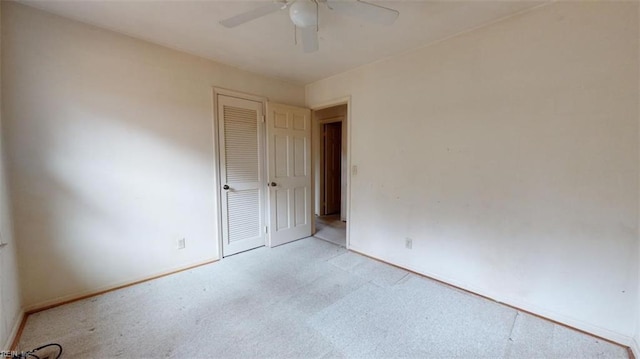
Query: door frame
321, 158
217, 181
316, 136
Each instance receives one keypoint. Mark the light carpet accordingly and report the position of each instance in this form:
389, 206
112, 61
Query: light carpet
332, 229
306, 299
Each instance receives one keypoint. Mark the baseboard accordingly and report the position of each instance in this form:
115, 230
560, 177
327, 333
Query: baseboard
38, 307
635, 348
16, 330
595, 331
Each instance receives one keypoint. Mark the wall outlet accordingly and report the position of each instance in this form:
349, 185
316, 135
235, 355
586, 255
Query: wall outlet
181, 243
408, 243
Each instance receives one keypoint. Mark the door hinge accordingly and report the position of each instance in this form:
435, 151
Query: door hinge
262, 118
266, 229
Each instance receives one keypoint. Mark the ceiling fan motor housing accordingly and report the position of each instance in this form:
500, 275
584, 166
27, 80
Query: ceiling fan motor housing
303, 13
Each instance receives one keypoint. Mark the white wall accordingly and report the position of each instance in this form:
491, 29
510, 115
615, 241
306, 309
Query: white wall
110, 151
636, 344
509, 155
9, 287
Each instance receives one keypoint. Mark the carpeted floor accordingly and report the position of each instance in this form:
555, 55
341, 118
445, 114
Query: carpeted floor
307, 299
332, 229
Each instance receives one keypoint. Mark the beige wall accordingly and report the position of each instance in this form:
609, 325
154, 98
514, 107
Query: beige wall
110, 151
636, 344
10, 308
510, 156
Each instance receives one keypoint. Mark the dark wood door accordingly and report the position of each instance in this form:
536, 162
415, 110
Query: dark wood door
332, 166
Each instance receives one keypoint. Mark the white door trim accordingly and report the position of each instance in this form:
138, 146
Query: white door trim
238, 94
331, 120
217, 182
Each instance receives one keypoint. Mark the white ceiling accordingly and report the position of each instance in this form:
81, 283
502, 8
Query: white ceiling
266, 45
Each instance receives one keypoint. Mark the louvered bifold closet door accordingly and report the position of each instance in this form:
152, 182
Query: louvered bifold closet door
241, 180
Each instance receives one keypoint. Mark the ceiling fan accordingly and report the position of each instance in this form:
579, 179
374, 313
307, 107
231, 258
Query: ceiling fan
304, 15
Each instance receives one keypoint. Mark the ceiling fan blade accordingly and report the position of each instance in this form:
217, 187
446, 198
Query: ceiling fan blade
252, 14
364, 10
309, 37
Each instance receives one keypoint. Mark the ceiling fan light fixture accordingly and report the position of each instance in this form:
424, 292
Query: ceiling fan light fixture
303, 13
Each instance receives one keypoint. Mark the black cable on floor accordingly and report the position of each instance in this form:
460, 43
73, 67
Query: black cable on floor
32, 353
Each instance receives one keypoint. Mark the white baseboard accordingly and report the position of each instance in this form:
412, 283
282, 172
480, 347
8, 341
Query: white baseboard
14, 331
617, 338
635, 347
32, 308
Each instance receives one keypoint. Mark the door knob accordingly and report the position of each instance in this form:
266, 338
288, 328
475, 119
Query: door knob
272, 184
225, 187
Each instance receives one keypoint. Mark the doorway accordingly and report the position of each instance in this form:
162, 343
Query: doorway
331, 173
332, 154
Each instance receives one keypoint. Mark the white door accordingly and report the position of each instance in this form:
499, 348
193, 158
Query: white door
242, 188
289, 173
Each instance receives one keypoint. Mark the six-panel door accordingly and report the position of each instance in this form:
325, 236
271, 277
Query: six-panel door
289, 172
